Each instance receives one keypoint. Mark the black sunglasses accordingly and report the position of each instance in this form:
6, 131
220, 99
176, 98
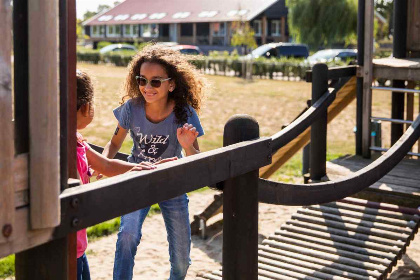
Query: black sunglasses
153, 82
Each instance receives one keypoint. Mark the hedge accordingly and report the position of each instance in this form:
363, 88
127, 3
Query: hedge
224, 65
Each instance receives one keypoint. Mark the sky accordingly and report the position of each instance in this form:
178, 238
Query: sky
82, 6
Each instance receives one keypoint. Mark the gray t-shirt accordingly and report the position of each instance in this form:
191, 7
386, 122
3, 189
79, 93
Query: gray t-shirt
152, 141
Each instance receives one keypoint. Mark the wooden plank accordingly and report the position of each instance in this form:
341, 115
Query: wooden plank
364, 216
381, 264
347, 233
288, 230
44, 114
7, 207
367, 78
276, 254
307, 268
282, 248
352, 227
345, 204
336, 245
356, 221
25, 238
277, 273
405, 169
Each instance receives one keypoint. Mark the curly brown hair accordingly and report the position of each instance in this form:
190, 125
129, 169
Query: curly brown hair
189, 83
84, 89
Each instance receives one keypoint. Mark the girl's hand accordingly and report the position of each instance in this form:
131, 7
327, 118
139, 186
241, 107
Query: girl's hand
186, 135
97, 174
144, 165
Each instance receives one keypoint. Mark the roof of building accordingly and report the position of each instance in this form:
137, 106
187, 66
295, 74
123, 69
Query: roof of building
177, 11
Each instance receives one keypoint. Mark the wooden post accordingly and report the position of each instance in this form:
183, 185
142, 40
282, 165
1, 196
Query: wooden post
367, 78
240, 209
283, 29
264, 30
210, 33
399, 51
44, 114
7, 149
360, 63
318, 155
46, 262
68, 104
194, 33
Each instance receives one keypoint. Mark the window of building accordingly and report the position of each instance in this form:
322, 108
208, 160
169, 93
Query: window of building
97, 30
257, 27
219, 28
150, 30
275, 28
187, 29
114, 30
131, 30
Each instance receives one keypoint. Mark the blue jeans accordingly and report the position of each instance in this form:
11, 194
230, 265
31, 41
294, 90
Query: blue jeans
83, 272
176, 217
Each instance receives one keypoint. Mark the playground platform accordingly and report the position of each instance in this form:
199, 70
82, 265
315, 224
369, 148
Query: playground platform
400, 186
352, 238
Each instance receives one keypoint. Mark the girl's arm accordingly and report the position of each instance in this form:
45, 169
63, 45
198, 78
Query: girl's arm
187, 137
112, 167
114, 145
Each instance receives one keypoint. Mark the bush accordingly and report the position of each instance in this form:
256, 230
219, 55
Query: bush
102, 44
118, 58
7, 266
90, 56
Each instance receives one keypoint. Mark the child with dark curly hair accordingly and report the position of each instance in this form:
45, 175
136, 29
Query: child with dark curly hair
164, 94
88, 158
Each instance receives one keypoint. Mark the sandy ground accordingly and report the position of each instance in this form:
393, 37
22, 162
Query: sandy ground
152, 258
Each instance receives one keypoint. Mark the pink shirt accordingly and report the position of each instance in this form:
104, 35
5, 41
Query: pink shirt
84, 174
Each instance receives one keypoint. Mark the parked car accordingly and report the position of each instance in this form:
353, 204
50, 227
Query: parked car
188, 49
278, 50
117, 48
344, 55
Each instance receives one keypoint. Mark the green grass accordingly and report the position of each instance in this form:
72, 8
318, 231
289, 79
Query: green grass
7, 266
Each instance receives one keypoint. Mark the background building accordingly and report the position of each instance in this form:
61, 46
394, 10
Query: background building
197, 22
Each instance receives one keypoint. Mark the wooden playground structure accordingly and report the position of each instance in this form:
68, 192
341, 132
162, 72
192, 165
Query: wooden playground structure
333, 237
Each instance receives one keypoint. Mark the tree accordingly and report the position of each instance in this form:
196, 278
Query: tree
322, 22
243, 35
102, 8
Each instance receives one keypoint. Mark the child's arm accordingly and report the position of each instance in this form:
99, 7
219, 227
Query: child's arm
112, 167
187, 137
114, 145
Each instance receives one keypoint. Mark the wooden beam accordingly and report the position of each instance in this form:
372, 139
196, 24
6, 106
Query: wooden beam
102, 200
367, 78
7, 149
44, 114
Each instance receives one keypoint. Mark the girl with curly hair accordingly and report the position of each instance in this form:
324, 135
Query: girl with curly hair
162, 97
